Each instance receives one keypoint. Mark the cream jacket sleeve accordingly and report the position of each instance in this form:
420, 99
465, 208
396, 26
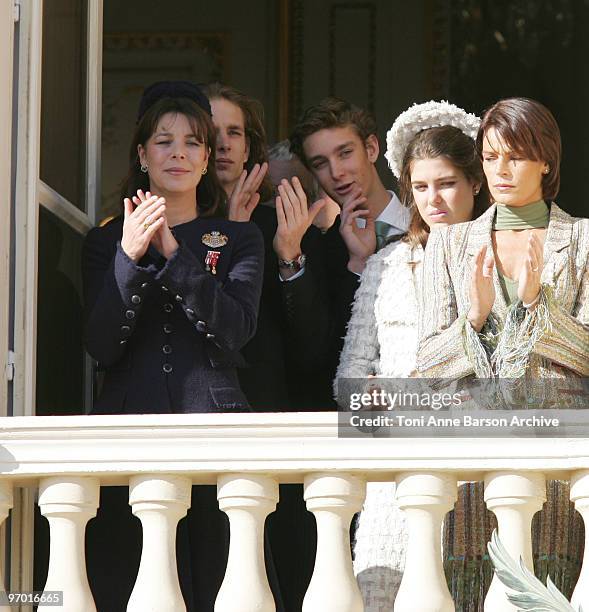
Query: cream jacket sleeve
360, 355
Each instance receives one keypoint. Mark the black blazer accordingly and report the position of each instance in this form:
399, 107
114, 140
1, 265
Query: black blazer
318, 306
168, 333
264, 378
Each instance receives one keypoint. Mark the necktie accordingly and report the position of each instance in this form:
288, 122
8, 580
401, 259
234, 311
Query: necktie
381, 229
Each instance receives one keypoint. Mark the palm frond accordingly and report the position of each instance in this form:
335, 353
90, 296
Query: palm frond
530, 593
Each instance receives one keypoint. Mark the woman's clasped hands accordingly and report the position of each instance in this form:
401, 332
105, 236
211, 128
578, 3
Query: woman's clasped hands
144, 223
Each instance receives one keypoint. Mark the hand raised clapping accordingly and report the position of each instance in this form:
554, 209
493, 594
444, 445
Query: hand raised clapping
482, 289
245, 196
145, 224
294, 218
530, 272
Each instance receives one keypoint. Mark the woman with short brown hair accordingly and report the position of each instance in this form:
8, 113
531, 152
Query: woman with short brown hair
507, 297
524, 310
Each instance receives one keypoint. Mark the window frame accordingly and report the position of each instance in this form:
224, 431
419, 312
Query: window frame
30, 193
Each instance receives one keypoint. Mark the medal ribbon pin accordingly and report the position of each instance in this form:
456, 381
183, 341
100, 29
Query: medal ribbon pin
211, 261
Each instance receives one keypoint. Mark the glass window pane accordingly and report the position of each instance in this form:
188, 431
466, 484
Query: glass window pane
63, 100
60, 353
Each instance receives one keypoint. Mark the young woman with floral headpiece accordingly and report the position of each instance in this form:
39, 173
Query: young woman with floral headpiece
431, 150
507, 295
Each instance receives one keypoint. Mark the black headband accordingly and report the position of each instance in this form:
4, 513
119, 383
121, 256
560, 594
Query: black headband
172, 89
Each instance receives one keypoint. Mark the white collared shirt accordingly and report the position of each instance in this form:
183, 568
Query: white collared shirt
395, 214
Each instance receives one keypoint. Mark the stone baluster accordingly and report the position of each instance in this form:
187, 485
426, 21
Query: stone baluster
5, 505
159, 501
580, 495
69, 503
425, 498
514, 497
333, 499
247, 500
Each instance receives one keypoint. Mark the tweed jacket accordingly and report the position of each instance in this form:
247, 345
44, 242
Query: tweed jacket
550, 341
381, 338
168, 333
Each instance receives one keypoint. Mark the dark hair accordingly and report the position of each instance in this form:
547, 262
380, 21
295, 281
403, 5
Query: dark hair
172, 89
209, 193
453, 144
330, 113
255, 133
529, 129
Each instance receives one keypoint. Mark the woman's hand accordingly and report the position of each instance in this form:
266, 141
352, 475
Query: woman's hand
294, 218
245, 196
482, 290
530, 272
163, 240
140, 225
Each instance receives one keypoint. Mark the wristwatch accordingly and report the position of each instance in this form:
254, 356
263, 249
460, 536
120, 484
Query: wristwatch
294, 265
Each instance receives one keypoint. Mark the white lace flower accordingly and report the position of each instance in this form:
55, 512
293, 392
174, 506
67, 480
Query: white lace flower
421, 117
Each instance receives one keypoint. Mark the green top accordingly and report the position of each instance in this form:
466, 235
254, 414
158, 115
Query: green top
530, 216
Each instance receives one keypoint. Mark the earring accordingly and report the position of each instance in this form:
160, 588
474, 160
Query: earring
546, 170
476, 190
143, 167
205, 170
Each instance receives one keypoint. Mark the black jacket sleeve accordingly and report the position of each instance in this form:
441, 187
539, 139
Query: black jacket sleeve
318, 303
114, 291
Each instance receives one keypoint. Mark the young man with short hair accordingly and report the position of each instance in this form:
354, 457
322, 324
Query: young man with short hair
241, 164
337, 141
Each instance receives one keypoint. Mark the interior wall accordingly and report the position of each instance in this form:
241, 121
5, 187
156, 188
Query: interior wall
240, 47
374, 53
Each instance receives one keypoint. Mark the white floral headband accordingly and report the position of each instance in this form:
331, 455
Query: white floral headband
421, 117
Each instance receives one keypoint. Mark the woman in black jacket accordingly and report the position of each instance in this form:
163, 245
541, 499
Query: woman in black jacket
171, 295
171, 288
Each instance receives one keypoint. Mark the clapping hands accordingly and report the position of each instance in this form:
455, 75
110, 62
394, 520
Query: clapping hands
144, 223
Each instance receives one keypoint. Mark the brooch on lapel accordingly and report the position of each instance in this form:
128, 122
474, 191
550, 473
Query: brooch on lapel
214, 239
211, 261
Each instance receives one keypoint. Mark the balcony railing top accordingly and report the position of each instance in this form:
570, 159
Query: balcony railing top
287, 445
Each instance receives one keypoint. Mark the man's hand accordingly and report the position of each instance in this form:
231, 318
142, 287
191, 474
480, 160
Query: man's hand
294, 218
360, 242
245, 196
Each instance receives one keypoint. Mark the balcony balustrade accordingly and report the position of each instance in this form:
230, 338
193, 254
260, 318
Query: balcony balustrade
247, 455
